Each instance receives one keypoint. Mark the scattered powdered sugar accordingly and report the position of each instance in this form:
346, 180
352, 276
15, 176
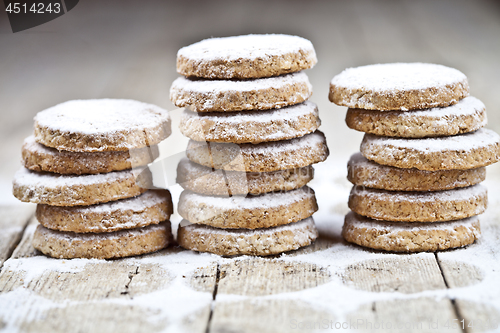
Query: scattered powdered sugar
102, 116
267, 200
248, 47
216, 87
398, 77
287, 113
307, 223
134, 204
482, 138
362, 222
458, 194
32, 179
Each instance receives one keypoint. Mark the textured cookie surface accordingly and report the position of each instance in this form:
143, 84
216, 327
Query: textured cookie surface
148, 208
118, 244
101, 125
465, 151
68, 190
419, 206
37, 157
468, 115
227, 95
398, 86
243, 57
251, 212
204, 180
410, 237
262, 157
364, 172
260, 242
251, 126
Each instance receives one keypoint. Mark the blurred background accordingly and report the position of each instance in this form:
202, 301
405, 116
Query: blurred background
127, 49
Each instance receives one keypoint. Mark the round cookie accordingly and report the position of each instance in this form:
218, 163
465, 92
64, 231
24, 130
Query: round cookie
68, 190
465, 151
419, 206
101, 125
204, 180
244, 57
251, 212
151, 207
37, 157
364, 172
410, 237
398, 86
468, 115
227, 95
251, 126
259, 242
262, 157
118, 244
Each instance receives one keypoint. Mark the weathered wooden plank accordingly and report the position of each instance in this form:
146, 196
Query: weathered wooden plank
13, 220
405, 315
405, 274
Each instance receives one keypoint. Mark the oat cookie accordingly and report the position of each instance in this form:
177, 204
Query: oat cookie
468, 115
364, 172
227, 95
251, 212
37, 157
410, 237
260, 242
101, 125
244, 57
419, 206
203, 180
151, 207
69, 190
251, 126
465, 151
262, 157
398, 86
118, 244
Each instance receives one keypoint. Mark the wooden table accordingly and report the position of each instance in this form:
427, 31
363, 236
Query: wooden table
127, 49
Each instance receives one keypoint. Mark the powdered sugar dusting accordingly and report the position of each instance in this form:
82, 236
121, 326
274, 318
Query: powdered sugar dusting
458, 194
396, 77
267, 200
288, 113
248, 46
292, 227
106, 236
102, 116
467, 106
362, 222
216, 87
482, 138
136, 204
25, 177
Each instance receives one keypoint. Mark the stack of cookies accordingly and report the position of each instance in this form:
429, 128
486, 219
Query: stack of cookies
85, 167
253, 139
416, 180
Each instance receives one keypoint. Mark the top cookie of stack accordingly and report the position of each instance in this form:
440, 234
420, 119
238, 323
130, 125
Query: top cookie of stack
250, 120
422, 157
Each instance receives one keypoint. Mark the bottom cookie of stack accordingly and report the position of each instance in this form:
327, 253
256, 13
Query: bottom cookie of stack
261, 242
122, 228
410, 237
